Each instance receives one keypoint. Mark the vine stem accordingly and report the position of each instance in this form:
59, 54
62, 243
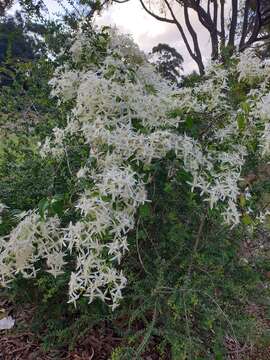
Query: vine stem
197, 241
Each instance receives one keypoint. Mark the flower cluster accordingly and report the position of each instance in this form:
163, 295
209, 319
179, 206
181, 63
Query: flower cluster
250, 68
29, 242
122, 115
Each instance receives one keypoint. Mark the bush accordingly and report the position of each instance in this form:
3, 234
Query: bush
142, 190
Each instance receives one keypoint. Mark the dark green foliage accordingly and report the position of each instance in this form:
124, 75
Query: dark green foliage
17, 45
184, 297
189, 285
13, 43
191, 79
59, 324
181, 301
168, 62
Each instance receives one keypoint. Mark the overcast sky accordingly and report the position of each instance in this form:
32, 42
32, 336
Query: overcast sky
147, 32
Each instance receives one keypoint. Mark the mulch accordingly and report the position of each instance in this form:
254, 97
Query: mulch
97, 345
21, 344
24, 346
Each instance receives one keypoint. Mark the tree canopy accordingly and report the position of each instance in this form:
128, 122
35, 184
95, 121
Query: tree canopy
246, 24
168, 62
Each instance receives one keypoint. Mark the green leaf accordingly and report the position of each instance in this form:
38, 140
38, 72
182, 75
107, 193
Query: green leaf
43, 206
189, 122
57, 204
145, 211
175, 113
241, 121
168, 187
242, 200
245, 107
246, 219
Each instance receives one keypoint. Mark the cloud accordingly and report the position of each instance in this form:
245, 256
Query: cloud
147, 32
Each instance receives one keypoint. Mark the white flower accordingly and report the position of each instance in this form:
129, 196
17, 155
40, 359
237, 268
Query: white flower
82, 173
127, 117
265, 143
249, 66
231, 214
264, 107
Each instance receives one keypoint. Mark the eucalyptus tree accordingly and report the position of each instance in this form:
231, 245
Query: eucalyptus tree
232, 25
168, 62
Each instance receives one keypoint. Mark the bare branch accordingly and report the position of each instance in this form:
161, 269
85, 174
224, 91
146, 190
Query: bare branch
256, 28
215, 13
232, 33
204, 17
222, 22
180, 28
214, 33
211, 15
160, 18
245, 23
194, 39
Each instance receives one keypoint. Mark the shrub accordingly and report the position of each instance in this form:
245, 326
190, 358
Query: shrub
161, 172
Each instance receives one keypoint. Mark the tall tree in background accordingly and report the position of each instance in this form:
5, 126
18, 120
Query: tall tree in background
243, 27
16, 45
264, 47
168, 62
232, 25
70, 12
15, 42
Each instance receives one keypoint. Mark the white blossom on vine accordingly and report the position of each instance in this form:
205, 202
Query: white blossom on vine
125, 115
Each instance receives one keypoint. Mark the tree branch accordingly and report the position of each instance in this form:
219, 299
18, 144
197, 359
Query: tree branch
222, 22
208, 7
232, 33
194, 39
245, 23
207, 21
160, 18
215, 13
256, 29
180, 28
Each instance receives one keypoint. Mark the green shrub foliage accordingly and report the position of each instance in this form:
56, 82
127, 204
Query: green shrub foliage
131, 193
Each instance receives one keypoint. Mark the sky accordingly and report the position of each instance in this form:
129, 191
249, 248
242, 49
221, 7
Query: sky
146, 31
